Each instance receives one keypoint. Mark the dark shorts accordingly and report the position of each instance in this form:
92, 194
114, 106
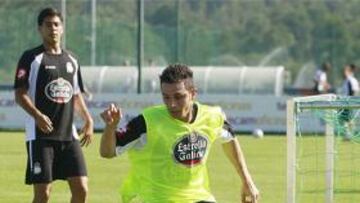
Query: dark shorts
52, 160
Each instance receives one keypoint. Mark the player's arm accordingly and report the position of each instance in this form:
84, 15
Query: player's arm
42, 121
234, 153
88, 128
22, 98
111, 116
80, 107
115, 142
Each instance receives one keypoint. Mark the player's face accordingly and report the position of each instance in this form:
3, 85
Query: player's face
178, 100
347, 71
51, 30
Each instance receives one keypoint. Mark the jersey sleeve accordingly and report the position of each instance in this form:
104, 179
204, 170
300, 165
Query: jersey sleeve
77, 79
23, 71
78, 86
227, 133
80, 81
133, 135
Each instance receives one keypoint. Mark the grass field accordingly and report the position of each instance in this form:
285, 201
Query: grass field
265, 157
266, 160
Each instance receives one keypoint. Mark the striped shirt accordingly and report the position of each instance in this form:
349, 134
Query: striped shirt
51, 81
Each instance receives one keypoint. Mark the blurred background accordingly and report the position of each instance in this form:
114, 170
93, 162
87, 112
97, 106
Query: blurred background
297, 35
248, 56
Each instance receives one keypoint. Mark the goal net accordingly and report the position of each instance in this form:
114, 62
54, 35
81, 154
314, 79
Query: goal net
323, 149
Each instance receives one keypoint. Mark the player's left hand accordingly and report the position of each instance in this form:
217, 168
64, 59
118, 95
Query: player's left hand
250, 193
88, 132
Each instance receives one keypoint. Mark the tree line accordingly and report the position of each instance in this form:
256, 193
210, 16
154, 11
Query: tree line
197, 32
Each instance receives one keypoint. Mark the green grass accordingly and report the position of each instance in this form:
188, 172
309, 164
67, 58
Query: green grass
266, 159
311, 170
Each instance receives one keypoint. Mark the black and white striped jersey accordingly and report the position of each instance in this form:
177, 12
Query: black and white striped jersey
51, 80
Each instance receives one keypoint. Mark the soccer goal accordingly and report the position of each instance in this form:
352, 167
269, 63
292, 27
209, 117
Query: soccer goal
323, 149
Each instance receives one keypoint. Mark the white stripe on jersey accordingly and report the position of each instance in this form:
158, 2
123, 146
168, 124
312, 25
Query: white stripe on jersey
76, 81
34, 71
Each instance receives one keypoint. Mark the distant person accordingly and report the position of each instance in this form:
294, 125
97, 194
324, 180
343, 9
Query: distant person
48, 87
350, 87
168, 145
322, 85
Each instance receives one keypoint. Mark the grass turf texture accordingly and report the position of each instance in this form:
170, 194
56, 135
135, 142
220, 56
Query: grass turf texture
266, 160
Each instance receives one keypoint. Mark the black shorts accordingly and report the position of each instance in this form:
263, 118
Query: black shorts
51, 160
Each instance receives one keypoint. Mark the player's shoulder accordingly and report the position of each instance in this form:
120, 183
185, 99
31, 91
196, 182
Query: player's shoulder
154, 109
213, 111
209, 107
70, 54
33, 52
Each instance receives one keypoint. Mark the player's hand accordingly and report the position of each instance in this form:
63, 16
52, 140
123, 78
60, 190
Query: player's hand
111, 116
250, 194
88, 132
44, 123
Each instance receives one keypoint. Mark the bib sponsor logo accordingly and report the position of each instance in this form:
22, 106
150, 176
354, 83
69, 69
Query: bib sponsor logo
59, 91
190, 149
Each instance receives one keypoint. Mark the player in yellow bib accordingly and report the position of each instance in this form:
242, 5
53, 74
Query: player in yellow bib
168, 145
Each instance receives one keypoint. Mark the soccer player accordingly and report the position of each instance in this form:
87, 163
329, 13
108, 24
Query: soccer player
48, 87
322, 85
168, 145
350, 88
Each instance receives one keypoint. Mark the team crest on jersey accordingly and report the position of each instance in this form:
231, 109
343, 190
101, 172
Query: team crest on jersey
59, 91
190, 149
69, 67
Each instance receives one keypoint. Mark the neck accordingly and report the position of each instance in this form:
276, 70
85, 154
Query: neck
52, 48
189, 116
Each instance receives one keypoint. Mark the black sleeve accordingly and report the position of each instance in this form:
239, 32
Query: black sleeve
23, 71
80, 81
228, 128
133, 131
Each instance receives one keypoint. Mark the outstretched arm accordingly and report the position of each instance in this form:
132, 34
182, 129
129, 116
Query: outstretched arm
111, 116
233, 151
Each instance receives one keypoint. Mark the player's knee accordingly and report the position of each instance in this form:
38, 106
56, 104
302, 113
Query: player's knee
42, 196
80, 190
83, 191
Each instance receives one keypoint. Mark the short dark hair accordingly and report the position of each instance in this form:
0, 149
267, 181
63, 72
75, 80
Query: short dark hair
46, 12
353, 67
175, 73
326, 66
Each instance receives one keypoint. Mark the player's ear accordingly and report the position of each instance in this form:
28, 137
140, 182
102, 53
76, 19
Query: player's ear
194, 92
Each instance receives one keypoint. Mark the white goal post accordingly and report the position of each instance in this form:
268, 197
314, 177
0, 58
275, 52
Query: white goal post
297, 105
